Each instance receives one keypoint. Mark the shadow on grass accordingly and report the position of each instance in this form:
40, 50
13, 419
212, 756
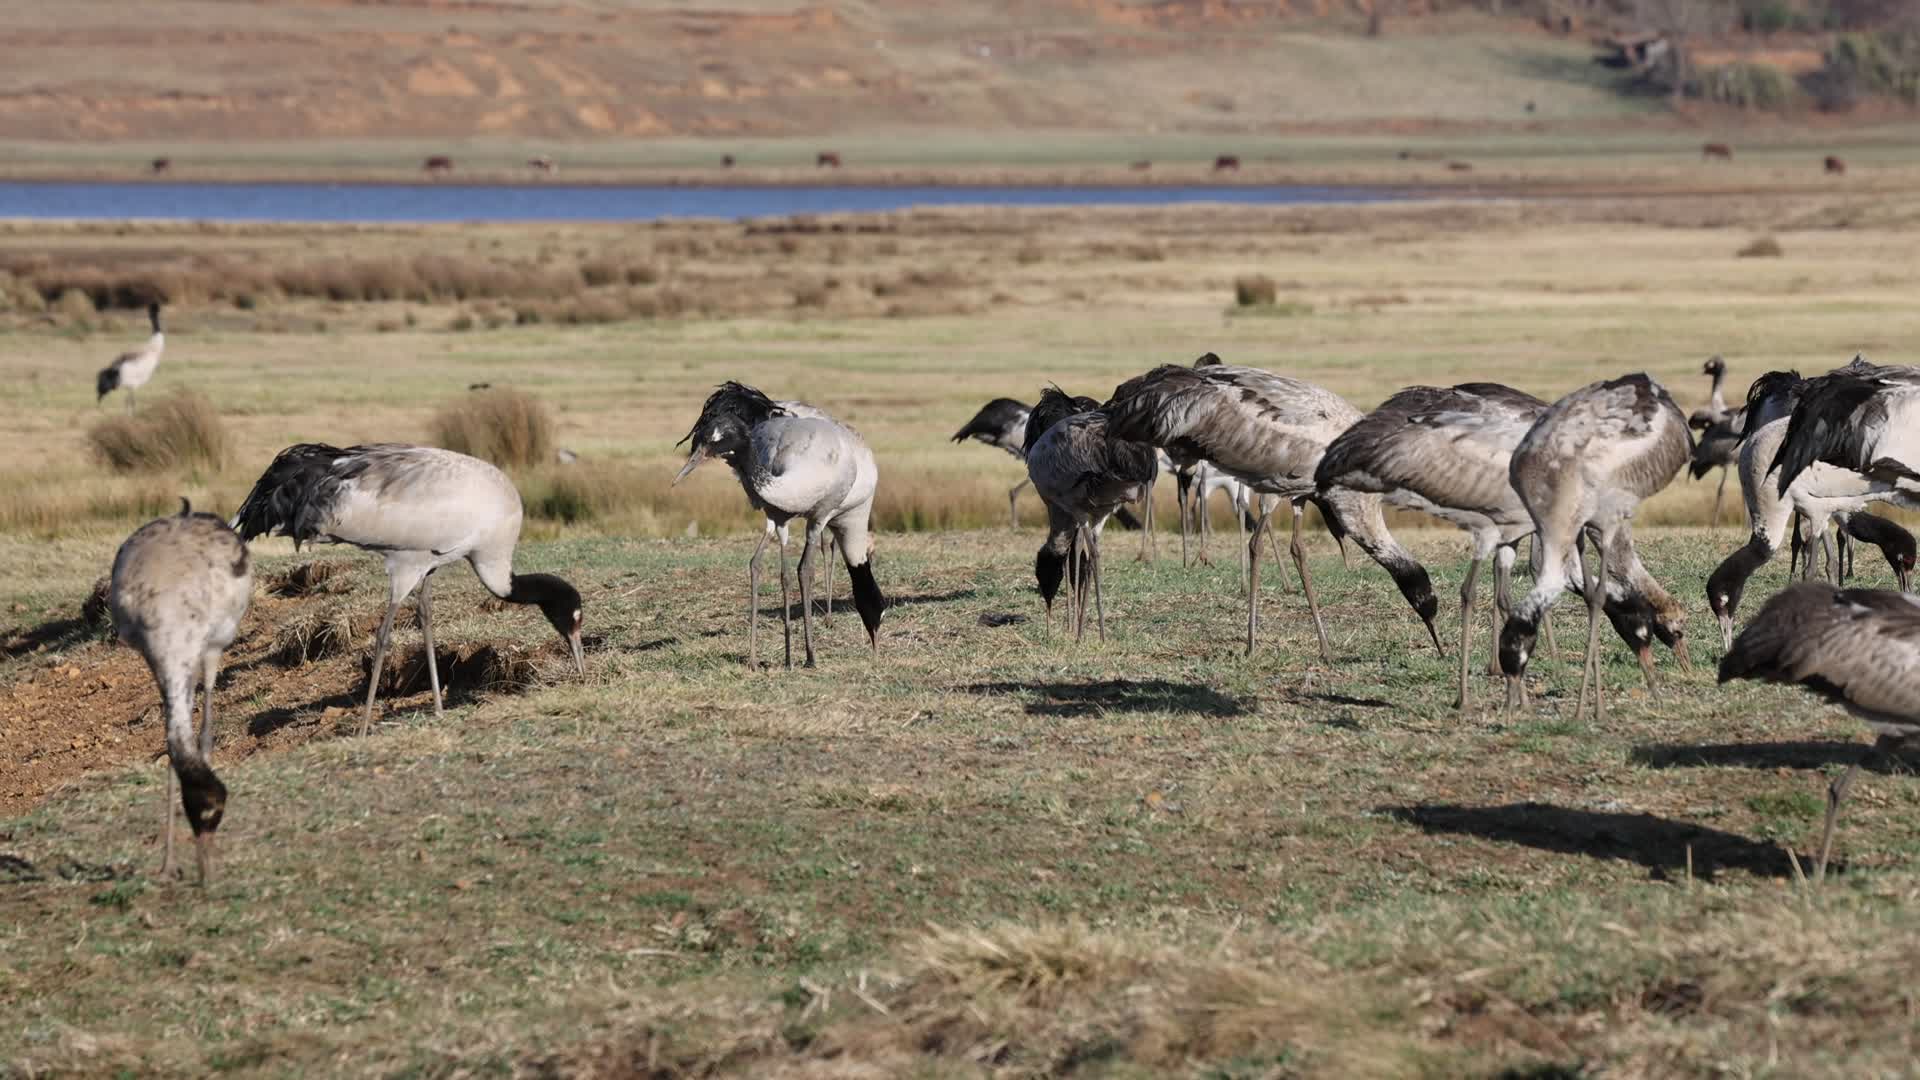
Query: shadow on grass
1763, 755
1117, 695
56, 635
1656, 843
267, 721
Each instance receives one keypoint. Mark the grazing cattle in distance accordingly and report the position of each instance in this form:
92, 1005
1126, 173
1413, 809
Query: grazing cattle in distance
1460, 166
726, 161
438, 163
1225, 162
827, 159
161, 164
1141, 166
541, 164
1836, 167
1717, 150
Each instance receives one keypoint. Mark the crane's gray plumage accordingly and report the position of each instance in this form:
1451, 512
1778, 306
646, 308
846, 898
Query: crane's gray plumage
180, 587
1585, 466
1270, 431
420, 508
1819, 493
1445, 451
131, 370
1862, 417
1002, 422
1084, 474
792, 466
1858, 648
1715, 411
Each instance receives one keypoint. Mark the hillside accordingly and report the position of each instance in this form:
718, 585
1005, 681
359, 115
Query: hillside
91, 70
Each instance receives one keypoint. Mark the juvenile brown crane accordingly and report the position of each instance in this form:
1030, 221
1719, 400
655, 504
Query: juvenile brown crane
1858, 648
1584, 468
1270, 431
179, 590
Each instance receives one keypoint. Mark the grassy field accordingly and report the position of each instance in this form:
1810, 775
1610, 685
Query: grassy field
987, 850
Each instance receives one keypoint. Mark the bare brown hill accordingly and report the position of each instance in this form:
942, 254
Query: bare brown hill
250, 69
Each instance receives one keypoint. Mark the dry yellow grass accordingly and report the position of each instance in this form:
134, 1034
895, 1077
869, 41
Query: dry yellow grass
182, 431
510, 428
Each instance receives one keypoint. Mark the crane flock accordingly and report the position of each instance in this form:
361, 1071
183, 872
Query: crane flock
1494, 461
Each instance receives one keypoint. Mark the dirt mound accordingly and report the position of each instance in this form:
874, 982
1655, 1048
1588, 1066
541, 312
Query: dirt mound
297, 672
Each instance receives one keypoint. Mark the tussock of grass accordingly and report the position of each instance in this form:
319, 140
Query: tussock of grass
315, 632
97, 609
1762, 247
501, 425
1255, 289
467, 669
182, 430
309, 578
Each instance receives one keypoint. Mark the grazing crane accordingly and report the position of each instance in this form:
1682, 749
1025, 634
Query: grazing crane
1893, 540
1584, 467
794, 466
1718, 448
131, 370
421, 508
1002, 422
1270, 431
180, 588
1858, 648
1446, 452
1084, 474
1862, 417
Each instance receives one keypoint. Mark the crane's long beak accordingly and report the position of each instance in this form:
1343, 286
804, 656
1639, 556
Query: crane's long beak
1903, 574
694, 461
579, 652
1435, 635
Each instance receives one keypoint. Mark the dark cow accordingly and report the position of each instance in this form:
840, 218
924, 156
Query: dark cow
827, 159
438, 163
161, 164
1836, 167
542, 164
1717, 150
1460, 166
726, 161
1141, 166
1225, 162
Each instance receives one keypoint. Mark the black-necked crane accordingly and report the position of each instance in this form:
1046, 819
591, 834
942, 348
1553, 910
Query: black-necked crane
1715, 411
1818, 493
131, 370
1895, 542
1002, 422
1718, 447
1445, 451
1584, 467
1858, 648
180, 587
1270, 431
1084, 474
420, 508
794, 466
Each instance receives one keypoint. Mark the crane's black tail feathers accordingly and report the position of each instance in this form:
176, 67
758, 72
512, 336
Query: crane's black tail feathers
1822, 425
108, 380
292, 495
994, 420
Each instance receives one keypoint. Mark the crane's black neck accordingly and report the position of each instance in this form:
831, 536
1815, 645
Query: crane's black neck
1729, 580
556, 599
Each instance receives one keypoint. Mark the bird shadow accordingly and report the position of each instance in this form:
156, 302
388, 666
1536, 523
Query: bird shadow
1656, 843
1763, 755
1116, 695
56, 635
266, 722
651, 646
1297, 698
930, 598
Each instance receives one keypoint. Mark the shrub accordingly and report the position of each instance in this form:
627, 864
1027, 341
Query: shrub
501, 425
1761, 247
180, 430
1255, 290
1749, 86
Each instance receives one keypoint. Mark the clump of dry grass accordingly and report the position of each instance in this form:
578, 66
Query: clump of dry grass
1763, 246
1253, 290
180, 430
315, 632
501, 425
310, 578
97, 608
466, 670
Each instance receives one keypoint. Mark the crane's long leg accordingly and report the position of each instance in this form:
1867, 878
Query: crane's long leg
1147, 553
1586, 589
1718, 495
827, 544
753, 602
1013, 502
806, 594
1182, 488
1240, 513
1593, 634
1466, 626
426, 631
1253, 581
1837, 793
1828, 567
1099, 602
1306, 583
379, 660
129, 402
786, 608
166, 819
1203, 524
